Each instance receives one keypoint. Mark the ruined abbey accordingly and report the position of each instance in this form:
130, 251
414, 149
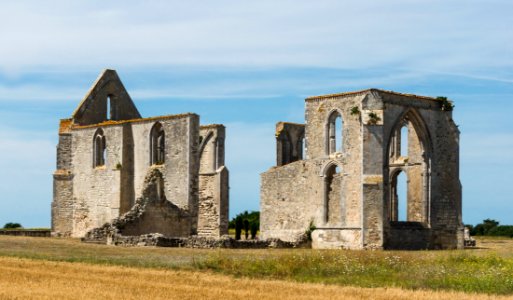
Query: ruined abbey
337, 174
145, 175
336, 177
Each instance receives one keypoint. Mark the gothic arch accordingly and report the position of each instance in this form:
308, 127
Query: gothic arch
332, 133
157, 144
416, 165
419, 125
204, 141
99, 148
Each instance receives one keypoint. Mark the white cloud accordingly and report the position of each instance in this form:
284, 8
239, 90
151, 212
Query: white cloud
434, 35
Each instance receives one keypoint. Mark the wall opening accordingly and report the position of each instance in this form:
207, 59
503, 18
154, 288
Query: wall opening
286, 150
303, 148
404, 141
335, 128
109, 108
99, 149
332, 195
402, 196
338, 134
408, 166
289, 143
157, 145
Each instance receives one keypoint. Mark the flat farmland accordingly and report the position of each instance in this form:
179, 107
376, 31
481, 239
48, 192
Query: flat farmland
46, 268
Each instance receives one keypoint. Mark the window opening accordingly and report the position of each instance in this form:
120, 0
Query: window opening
109, 112
100, 149
157, 145
404, 140
402, 196
335, 133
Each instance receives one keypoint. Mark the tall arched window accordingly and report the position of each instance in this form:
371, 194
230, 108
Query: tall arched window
157, 145
334, 134
99, 149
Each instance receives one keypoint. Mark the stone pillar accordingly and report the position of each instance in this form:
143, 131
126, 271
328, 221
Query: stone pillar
372, 183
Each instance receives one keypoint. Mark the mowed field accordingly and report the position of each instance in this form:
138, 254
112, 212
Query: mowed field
45, 268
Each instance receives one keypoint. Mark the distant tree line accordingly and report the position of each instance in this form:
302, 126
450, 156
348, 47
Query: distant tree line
491, 227
249, 222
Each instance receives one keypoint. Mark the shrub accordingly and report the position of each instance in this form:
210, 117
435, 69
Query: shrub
445, 104
355, 111
373, 118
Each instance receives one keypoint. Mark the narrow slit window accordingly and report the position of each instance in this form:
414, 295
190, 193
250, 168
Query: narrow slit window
404, 141
109, 108
338, 134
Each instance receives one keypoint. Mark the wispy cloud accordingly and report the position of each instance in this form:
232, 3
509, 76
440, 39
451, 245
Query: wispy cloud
439, 35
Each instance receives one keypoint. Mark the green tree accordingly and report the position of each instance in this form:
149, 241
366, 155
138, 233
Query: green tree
485, 227
253, 219
246, 228
12, 225
254, 230
238, 227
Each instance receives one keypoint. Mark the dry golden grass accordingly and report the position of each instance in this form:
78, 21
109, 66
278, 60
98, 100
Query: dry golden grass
38, 279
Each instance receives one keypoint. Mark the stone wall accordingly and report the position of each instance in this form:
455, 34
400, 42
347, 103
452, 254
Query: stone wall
152, 213
102, 193
213, 183
26, 232
309, 199
213, 204
289, 202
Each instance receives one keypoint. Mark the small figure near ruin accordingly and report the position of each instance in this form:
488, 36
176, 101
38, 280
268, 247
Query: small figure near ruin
137, 175
337, 175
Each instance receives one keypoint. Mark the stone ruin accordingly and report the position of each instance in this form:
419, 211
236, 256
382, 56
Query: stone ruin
123, 175
337, 175
126, 180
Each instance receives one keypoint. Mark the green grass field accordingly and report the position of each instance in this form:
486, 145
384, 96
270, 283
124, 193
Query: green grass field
487, 269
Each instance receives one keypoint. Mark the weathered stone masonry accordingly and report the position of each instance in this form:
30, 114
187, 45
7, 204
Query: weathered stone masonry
344, 181
152, 175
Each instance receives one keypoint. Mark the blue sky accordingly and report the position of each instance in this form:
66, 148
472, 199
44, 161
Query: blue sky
249, 64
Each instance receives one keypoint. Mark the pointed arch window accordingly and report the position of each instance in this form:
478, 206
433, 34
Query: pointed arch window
334, 134
99, 149
157, 145
409, 170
